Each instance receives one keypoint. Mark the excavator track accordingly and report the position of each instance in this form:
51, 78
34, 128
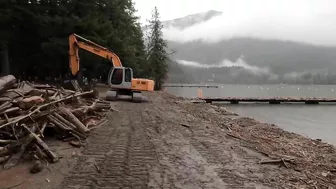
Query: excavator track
137, 97
111, 95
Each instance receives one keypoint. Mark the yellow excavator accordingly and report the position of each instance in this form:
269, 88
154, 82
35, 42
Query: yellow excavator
120, 79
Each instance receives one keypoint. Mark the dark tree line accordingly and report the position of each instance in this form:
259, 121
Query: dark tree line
34, 36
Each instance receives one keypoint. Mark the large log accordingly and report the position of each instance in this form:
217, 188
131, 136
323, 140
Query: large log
6, 141
10, 110
30, 101
14, 159
63, 126
73, 119
5, 106
5, 99
58, 123
65, 121
4, 159
4, 151
6, 82
52, 156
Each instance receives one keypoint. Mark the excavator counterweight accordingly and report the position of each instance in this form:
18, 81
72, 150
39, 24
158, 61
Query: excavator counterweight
120, 79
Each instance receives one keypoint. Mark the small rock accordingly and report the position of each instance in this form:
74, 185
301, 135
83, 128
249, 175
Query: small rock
325, 174
213, 111
37, 167
74, 153
333, 159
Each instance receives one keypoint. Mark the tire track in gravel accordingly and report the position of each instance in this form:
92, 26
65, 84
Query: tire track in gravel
236, 165
236, 173
180, 165
120, 149
144, 146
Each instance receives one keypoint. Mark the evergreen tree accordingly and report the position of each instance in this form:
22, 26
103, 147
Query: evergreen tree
157, 56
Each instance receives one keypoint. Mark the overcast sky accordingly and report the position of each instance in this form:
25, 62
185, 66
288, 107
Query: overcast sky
312, 21
170, 9
178, 8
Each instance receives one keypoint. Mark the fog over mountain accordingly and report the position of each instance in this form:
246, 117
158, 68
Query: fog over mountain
181, 24
239, 63
309, 21
225, 47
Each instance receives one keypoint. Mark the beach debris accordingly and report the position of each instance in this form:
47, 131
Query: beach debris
29, 111
282, 161
185, 125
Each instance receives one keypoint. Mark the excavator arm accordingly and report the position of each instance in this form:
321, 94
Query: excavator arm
75, 44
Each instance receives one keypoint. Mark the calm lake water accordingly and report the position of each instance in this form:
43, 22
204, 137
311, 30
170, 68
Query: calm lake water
314, 121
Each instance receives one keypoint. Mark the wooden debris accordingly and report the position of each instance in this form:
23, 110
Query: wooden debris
74, 120
7, 82
97, 168
30, 101
4, 159
76, 144
282, 161
185, 125
27, 110
101, 123
14, 159
235, 136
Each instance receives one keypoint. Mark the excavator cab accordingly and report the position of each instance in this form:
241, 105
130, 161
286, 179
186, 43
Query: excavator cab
120, 81
120, 77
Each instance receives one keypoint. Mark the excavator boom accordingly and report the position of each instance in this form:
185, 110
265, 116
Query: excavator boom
90, 46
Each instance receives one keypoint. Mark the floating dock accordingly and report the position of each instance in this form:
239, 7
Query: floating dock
277, 100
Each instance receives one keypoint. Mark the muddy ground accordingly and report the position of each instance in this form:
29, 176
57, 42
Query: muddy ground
170, 142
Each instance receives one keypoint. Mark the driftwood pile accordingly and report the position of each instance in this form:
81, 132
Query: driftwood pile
27, 110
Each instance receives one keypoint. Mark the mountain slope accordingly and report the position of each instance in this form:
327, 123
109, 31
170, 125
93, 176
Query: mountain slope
279, 56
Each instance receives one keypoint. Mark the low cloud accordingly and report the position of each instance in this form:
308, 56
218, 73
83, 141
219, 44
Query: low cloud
239, 63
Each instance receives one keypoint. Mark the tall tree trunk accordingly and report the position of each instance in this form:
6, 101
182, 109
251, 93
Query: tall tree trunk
4, 60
